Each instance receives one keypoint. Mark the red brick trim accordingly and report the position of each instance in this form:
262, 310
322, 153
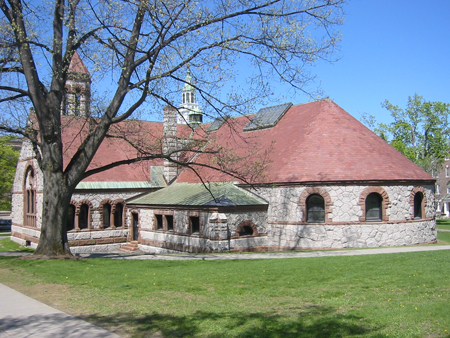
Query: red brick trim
131, 227
189, 223
100, 211
99, 241
353, 223
164, 213
315, 191
384, 203
77, 213
124, 213
25, 237
29, 217
247, 223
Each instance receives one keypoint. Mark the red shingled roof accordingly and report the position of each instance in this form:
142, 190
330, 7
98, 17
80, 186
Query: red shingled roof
111, 150
316, 142
313, 142
77, 66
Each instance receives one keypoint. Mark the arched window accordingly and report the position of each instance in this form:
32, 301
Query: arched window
83, 217
374, 207
192, 98
184, 98
418, 199
246, 228
118, 215
77, 102
106, 215
315, 209
30, 198
70, 224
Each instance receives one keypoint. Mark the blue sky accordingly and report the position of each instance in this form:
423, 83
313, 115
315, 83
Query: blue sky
390, 49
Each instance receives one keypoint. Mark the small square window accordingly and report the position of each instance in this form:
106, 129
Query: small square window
194, 222
159, 222
169, 220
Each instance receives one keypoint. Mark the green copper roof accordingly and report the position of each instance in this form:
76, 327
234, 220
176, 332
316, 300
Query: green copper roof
195, 194
114, 185
188, 81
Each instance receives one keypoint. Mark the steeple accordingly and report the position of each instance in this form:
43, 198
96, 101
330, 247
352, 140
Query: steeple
190, 112
78, 89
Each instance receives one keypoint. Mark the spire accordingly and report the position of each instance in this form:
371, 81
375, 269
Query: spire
188, 82
78, 89
190, 112
77, 66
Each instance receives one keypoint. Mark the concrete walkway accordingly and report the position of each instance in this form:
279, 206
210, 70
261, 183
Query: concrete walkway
22, 316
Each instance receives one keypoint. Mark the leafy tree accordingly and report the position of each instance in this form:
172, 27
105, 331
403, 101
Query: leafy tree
8, 161
420, 132
140, 50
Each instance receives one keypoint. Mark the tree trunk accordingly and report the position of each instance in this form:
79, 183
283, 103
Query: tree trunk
56, 198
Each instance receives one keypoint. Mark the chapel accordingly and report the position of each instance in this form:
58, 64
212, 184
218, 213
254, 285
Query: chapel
287, 177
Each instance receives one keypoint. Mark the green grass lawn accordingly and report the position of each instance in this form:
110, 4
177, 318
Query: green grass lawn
395, 295
8, 245
443, 237
443, 223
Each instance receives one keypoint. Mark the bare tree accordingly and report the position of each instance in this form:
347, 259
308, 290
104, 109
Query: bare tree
141, 49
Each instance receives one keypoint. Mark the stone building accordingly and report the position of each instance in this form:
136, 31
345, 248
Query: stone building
315, 178
331, 183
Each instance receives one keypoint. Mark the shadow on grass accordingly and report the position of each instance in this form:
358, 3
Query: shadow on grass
311, 322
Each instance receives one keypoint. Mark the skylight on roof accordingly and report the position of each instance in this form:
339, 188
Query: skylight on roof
267, 117
218, 122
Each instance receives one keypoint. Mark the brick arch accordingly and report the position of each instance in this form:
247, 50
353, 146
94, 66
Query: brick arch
384, 202
247, 223
414, 191
91, 210
102, 203
29, 192
114, 203
80, 203
315, 191
100, 210
74, 204
124, 211
28, 165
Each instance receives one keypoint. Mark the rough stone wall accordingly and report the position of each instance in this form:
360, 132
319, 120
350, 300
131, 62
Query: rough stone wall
26, 158
217, 234
96, 198
362, 235
284, 202
284, 228
92, 240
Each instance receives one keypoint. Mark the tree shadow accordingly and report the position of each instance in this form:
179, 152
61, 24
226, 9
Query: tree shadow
314, 321
50, 325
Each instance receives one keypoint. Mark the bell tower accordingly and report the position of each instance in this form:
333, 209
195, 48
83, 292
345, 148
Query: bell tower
78, 89
190, 112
